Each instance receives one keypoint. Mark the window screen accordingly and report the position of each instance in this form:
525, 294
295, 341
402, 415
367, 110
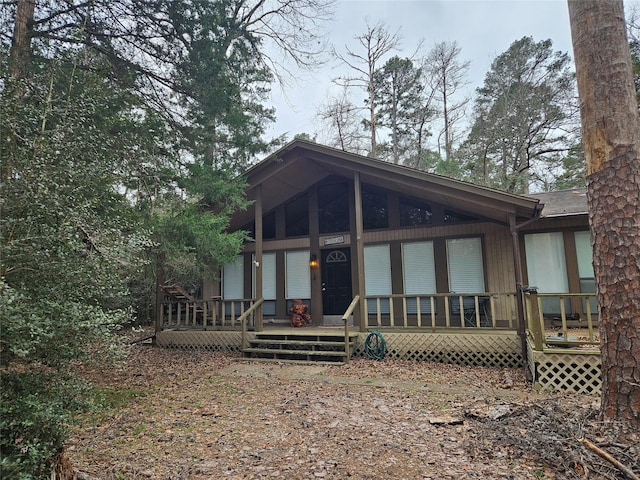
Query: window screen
413, 212
333, 208
297, 217
375, 211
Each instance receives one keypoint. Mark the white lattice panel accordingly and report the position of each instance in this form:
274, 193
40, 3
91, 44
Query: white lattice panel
217, 341
460, 349
575, 372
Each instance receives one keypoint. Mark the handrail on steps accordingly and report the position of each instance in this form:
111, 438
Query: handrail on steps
345, 319
243, 320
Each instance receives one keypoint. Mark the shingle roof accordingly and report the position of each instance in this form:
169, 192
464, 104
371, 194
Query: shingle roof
563, 203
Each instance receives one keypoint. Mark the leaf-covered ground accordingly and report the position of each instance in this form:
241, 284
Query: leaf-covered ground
180, 414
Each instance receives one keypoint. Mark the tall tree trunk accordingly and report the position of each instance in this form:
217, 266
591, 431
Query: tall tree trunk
21, 41
372, 117
611, 136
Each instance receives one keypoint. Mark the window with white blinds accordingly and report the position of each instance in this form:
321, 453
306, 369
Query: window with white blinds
585, 268
418, 268
377, 275
419, 274
546, 267
464, 260
585, 255
268, 282
233, 279
268, 276
298, 276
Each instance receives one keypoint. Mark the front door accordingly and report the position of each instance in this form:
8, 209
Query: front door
336, 281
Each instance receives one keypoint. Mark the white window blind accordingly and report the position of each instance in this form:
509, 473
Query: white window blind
419, 274
298, 275
377, 270
547, 268
418, 268
268, 276
464, 260
377, 276
585, 254
233, 279
585, 268
546, 262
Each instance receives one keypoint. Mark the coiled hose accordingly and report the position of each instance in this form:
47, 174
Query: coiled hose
375, 346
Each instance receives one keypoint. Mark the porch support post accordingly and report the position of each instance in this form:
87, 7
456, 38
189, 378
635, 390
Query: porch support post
517, 261
160, 280
314, 249
357, 187
258, 265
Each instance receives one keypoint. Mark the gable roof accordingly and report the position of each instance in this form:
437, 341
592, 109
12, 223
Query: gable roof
300, 164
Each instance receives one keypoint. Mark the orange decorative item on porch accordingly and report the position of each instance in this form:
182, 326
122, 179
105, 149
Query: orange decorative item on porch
299, 313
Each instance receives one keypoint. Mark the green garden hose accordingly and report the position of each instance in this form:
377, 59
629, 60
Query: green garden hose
375, 346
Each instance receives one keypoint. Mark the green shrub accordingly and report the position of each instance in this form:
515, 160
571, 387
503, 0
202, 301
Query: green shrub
34, 416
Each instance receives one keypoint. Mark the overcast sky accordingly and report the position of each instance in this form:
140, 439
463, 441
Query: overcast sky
482, 28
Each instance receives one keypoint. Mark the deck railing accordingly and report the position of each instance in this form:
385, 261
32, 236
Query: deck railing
202, 314
559, 321
485, 310
243, 320
345, 318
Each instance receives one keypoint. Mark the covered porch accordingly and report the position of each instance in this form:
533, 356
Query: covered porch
561, 350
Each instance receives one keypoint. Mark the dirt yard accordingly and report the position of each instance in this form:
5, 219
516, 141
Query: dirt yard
172, 414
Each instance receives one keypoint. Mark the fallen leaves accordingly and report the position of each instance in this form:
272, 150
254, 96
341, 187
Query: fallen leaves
211, 415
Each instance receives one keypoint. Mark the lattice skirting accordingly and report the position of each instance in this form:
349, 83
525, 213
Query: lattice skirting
216, 341
581, 373
489, 350
496, 350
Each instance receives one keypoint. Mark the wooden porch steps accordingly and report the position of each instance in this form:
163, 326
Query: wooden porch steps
305, 346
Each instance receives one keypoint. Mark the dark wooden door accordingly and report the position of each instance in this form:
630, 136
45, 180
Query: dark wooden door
336, 281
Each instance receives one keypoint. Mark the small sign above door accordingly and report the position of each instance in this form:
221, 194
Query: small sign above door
334, 240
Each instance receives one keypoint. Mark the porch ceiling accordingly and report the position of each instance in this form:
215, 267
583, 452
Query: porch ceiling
299, 165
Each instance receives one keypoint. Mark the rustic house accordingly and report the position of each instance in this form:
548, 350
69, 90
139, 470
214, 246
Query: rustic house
440, 269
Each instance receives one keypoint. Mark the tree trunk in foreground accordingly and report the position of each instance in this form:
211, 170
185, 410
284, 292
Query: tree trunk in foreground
21, 41
611, 137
